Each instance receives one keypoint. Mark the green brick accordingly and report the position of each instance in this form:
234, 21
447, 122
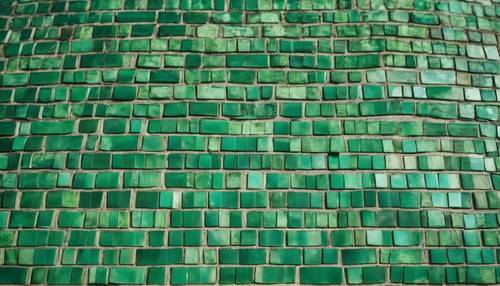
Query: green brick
159, 256
480, 275
241, 76
13, 275
82, 238
124, 93
122, 238
223, 199
357, 62
275, 275
127, 275
119, 143
359, 256
37, 180
247, 61
165, 76
192, 275
435, 77
44, 78
375, 45
214, 127
439, 92
65, 275
15, 79
62, 199
285, 256
106, 5
321, 275
52, 127
118, 199
307, 238
271, 238
135, 17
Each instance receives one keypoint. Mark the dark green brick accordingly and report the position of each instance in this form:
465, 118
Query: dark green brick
13, 275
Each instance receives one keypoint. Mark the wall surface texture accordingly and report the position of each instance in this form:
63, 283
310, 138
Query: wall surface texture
249, 142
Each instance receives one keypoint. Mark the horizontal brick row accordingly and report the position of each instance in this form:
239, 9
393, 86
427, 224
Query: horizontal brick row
253, 199
260, 274
249, 256
249, 219
245, 76
255, 180
474, 97
150, 144
448, 240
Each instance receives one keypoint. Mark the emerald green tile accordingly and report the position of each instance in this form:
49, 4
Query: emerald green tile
14, 275
275, 275
159, 256
359, 256
65, 276
128, 275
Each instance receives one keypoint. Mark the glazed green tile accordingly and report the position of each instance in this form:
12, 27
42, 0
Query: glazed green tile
359, 256
127, 275
122, 238
321, 275
192, 275
65, 276
7, 238
375, 45
159, 256
441, 77
62, 199
274, 275
357, 62
15, 79
119, 143
306, 238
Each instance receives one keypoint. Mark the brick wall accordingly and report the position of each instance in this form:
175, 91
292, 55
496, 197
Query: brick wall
249, 142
